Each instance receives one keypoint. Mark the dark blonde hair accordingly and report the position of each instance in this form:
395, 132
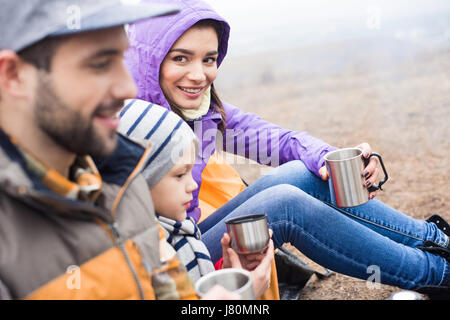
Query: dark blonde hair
216, 103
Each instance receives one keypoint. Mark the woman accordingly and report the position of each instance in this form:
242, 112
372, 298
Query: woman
176, 68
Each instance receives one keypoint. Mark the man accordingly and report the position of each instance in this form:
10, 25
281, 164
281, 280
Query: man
76, 221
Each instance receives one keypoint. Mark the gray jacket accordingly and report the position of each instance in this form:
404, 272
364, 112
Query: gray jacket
55, 248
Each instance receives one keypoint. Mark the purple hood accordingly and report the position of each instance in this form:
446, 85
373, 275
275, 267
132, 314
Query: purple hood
151, 40
246, 134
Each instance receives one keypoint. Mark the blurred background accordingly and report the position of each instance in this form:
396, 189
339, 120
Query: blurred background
266, 25
350, 71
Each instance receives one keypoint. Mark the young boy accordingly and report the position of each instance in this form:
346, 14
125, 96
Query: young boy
168, 173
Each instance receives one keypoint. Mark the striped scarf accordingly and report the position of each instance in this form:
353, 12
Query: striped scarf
185, 238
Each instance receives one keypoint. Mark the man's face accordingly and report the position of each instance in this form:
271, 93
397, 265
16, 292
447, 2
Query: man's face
77, 101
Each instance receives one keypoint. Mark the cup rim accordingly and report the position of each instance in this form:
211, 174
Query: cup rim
215, 273
327, 156
246, 218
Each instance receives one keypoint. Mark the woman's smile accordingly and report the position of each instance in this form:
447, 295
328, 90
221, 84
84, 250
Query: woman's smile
192, 92
190, 67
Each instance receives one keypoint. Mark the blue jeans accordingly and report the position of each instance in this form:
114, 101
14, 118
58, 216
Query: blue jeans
354, 241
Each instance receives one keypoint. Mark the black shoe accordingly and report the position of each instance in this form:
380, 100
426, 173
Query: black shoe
431, 247
435, 292
441, 223
441, 292
293, 274
434, 248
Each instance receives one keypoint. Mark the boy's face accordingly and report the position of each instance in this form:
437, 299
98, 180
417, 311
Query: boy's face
173, 193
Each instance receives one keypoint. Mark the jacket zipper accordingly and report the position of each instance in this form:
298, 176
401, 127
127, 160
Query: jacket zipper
117, 239
119, 243
114, 225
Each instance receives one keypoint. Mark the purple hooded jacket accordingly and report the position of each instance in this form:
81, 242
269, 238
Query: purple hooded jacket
246, 134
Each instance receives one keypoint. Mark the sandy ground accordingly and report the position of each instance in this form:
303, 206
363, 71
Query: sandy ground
395, 97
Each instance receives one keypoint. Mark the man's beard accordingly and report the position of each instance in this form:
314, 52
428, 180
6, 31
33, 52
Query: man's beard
67, 127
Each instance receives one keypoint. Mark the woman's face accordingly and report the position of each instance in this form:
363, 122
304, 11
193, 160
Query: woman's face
190, 67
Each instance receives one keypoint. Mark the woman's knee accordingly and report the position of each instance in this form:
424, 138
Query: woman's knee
285, 209
295, 165
292, 170
286, 196
295, 173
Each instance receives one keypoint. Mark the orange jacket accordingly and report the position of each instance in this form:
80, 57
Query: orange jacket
55, 248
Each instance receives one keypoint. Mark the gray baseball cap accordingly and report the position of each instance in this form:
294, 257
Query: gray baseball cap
26, 22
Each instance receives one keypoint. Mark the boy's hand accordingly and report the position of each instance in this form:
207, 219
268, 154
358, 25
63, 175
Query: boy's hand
259, 264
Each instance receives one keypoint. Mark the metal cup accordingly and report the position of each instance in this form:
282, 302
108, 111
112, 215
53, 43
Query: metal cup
249, 234
232, 279
346, 182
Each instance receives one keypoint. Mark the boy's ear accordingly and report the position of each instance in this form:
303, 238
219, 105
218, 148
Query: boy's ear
13, 74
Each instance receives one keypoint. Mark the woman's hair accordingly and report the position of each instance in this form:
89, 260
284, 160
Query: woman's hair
216, 103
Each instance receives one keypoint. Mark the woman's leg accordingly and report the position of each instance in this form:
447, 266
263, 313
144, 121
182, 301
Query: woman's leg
373, 214
334, 240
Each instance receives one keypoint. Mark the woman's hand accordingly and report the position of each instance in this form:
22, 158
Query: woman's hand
259, 264
324, 173
370, 172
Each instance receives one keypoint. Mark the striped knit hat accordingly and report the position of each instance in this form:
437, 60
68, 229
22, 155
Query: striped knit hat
168, 134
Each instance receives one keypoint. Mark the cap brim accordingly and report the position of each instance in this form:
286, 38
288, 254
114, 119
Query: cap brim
117, 15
